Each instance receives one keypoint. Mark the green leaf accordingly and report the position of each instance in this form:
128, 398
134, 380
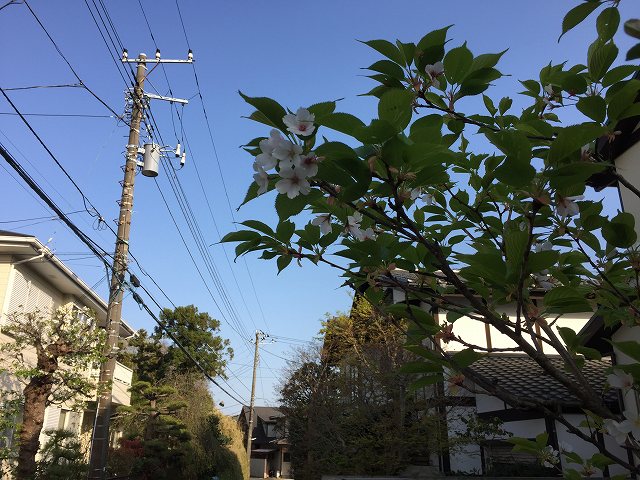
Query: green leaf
620, 231
632, 27
285, 230
593, 107
571, 139
486, 60
387, 49
408, 50
566, 300
633, 53
283, 262
395, 107
601, 58
269, 108
388, 68
622, 99
342, 122
430, 49
539, 261
322, 109
240, 236
427, 129
577, 15
617, 74
489, 104
457, 63
607, 23
465, 358
288, 207
630, 349
261, 227
504, 105
516, 170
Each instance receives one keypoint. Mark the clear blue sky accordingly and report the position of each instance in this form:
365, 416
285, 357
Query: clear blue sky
299, 53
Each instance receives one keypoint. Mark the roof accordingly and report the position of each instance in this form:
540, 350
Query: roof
265, 414
37, 257
522, 374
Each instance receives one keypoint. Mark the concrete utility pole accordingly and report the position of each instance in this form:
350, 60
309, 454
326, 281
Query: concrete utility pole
100, 439
256, 359
100, 443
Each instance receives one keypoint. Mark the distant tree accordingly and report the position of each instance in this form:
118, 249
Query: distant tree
198, 333
49, 354
62, 458
347, 405
146, 355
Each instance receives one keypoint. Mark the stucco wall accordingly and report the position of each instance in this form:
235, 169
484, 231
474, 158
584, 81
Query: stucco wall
627, 166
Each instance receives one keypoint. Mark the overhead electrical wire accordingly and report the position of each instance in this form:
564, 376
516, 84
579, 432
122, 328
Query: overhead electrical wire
95, 248
215, 152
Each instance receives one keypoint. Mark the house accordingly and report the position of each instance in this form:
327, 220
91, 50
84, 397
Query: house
269, 445
465, 405
33, 278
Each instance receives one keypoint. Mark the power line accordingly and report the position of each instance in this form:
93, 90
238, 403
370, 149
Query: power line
95, 249
32, 87
222, 180
76, 115
39, 218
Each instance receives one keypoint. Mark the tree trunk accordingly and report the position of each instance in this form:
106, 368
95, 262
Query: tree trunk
35, 402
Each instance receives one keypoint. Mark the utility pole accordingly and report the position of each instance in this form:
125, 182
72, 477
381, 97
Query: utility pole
100, 439
256, 359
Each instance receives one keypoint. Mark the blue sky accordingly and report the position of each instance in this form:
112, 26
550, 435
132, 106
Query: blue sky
299, 53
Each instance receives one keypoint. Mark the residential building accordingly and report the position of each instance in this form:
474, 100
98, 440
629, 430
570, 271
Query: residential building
269, 445
460, 402
33, 278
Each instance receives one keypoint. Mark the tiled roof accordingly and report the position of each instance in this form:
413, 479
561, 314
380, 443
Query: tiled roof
520, 374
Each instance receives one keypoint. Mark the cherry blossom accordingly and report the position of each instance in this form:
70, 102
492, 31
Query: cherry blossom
620, 379
288, 153
618, 430
565, 447
293, 183
353, 225
567, 207
367, 234
262, 179
433, 72
309, 164
631, 423
301, 123
544, 280
266, 160
543, 246
415, 193
324, 222
549, 456
428, 199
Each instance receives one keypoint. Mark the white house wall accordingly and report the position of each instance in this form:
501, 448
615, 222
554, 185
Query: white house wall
626, 334
464, 458
584, 449
627, 166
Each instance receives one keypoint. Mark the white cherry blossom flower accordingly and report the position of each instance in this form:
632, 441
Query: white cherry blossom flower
543, 246
301, 123
293, 183
549, 457
567, 206
618, 430
324, 222
548, 89
288, 153
565, 447
266, 160
353, 225
544, 281
309, 165
631, 423
415, 193
620, 379
367, 234
433, 72
428, 199
262, 179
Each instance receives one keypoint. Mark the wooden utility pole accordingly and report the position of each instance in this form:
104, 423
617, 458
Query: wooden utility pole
100, 441
256, 357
